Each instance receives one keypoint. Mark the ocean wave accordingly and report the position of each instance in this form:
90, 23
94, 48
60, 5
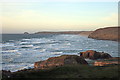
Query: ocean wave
56, 53
25, 67
36, 47
26, 39
24, 43
26, 46
42, 50
18, 53
10, 51
11, 41
7, 60
7, 44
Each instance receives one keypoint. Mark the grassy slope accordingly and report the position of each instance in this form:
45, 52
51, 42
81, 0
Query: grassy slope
76, 71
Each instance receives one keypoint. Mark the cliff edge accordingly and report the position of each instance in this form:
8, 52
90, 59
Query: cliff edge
108, 33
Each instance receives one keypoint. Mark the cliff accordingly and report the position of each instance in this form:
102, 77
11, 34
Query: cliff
109, 33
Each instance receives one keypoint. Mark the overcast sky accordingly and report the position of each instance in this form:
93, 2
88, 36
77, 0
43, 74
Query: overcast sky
52, 15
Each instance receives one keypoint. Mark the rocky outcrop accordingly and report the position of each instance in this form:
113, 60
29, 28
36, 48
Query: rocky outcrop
90, 54
106, 62
59, 61
26, 33
109, 33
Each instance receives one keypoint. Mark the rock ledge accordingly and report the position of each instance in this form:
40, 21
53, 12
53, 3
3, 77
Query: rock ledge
60, 61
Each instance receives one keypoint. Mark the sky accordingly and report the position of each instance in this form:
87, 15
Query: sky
64, 15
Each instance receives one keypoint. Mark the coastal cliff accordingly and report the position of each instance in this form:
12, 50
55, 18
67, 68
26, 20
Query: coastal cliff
108, 33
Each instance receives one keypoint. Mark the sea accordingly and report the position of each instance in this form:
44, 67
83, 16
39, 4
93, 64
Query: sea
20, 51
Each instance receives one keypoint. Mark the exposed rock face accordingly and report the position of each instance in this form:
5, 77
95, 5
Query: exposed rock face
109, 33
59, 61
106, 62
90, 54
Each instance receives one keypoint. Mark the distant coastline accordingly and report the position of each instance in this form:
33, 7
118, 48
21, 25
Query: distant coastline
84, 33
108, 33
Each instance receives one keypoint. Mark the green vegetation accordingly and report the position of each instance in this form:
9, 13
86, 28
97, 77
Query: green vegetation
75, 71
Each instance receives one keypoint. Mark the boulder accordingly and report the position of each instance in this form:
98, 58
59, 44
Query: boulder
59, 61
90, 54
107, 62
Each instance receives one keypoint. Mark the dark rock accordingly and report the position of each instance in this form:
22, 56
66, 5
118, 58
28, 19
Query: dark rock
26, 33
60, 61
90, 54
6, 74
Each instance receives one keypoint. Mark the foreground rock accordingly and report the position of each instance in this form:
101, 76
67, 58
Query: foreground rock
109, 33
90, 54
6, 74
107, 62
60, 61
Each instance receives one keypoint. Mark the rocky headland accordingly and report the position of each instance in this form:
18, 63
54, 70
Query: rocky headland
108, 33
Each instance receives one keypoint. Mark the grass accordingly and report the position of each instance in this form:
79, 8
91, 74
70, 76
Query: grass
75, 71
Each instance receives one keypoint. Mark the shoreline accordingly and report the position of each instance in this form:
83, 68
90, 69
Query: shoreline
89, 60
69, 70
